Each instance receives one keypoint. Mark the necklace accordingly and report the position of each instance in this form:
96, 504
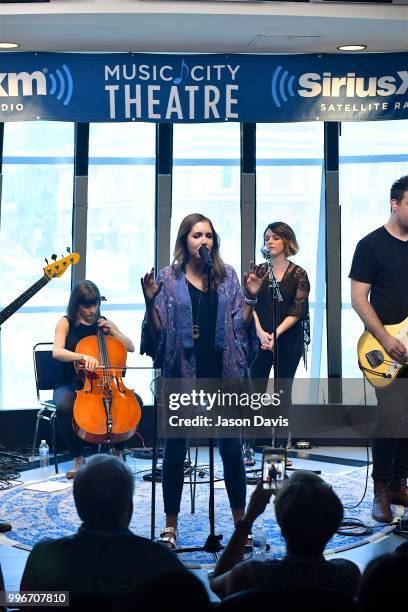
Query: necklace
196, 327
284, 270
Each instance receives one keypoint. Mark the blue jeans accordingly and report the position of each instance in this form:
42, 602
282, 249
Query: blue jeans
173, 472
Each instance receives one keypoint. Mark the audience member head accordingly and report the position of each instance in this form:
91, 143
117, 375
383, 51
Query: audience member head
308, 513
384, 581
103, 491
178, 590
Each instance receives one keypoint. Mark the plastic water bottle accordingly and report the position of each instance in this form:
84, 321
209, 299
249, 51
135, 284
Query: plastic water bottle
258, 541
44, 452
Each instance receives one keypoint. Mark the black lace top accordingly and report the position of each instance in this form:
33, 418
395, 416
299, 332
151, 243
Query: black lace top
295, 289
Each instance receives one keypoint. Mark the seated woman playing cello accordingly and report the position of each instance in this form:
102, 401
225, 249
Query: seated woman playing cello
82, 319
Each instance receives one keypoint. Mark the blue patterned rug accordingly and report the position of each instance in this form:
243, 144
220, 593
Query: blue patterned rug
36, 515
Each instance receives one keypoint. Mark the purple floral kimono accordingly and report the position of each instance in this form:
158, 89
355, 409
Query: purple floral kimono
173, 348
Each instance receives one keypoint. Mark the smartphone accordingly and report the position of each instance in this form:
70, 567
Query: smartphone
273, 467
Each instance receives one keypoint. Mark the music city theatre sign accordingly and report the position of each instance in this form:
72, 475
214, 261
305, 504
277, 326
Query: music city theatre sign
202, 88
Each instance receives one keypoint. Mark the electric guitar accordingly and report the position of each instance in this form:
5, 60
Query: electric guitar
51, 270
378, 367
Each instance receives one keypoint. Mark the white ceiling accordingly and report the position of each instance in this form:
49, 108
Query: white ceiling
167, 26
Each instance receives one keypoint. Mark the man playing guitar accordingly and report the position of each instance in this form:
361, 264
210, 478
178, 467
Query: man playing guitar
379, 271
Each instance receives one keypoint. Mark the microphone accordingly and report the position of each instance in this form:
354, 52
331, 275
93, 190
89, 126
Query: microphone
265, 252
205, 255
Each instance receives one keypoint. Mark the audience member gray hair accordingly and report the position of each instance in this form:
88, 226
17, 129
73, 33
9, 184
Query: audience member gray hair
103, 492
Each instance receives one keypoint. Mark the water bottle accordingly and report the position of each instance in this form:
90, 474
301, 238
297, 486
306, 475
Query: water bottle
258, 541
44, 452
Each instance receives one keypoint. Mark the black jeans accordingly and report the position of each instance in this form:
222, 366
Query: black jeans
64, 398
288, 361
390, 434
289, 355
173, 472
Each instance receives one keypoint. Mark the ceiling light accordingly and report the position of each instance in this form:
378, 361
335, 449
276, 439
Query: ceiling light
8, 45
352, 47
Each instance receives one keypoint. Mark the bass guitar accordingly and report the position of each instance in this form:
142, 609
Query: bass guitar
51, 270
377, 366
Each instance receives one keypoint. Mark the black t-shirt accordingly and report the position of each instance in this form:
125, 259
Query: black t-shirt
208, 360
96, 562
381, 260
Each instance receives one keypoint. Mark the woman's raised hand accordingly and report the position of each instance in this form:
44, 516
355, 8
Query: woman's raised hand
254, 279
149, 287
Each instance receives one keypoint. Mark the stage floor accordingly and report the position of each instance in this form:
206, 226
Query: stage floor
330, 460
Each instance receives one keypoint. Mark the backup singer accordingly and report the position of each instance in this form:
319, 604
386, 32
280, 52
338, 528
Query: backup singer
82, 319
176, 333
380, 270
292, 325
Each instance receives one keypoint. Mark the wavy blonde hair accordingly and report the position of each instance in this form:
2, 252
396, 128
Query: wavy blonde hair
181, 254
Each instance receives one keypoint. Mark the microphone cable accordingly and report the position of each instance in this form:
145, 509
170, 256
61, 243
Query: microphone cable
355, 526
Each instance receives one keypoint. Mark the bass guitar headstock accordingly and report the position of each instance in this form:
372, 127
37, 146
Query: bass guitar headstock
57, 267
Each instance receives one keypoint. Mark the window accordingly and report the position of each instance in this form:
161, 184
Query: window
372, 156
36, 215
206, 179
121, 228
289, 189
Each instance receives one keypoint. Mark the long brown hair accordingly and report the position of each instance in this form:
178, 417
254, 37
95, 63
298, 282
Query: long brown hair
83, 290
181, 254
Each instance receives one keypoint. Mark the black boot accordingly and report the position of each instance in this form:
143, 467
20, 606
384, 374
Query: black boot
399, 492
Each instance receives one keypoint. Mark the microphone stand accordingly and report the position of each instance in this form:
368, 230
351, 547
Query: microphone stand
212, 543
276, 297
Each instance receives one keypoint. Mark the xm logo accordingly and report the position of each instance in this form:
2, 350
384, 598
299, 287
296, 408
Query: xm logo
313, 84
279, 84
40, 83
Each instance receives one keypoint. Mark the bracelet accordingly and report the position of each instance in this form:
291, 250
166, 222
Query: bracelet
249, 301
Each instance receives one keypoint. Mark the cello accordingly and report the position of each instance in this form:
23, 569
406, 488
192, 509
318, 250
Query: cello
105, 411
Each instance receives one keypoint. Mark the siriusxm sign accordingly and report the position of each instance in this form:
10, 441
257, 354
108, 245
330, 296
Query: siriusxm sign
13, 84
37, 83
326, 85
351, 85
202, 88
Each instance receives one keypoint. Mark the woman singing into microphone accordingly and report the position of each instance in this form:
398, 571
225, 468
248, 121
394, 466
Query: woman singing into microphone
292, 325
177, 334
